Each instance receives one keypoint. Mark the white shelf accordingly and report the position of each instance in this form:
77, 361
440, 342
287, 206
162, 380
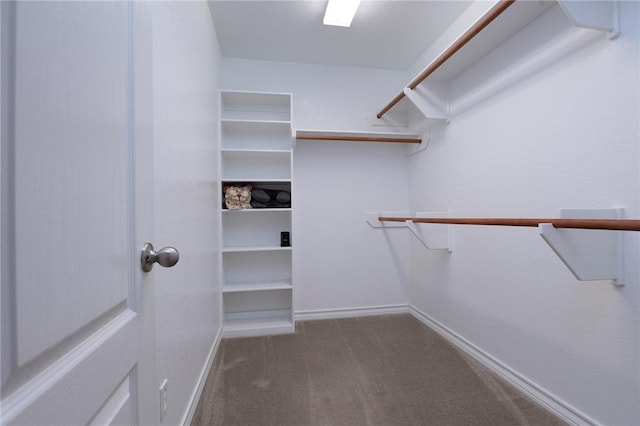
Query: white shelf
263, 151
257, 286
257, 327
244, 123
245, 179
251, 323
249, 121
511, 21
257, 210
253, 249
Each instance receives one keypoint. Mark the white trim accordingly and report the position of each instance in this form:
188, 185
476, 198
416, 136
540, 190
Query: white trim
197, 393
538, 394
350, 312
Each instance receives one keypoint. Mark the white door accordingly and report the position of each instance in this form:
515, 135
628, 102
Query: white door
78, 342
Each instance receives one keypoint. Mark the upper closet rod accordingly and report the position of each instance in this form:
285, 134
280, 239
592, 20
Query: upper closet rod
604, 224
457, 45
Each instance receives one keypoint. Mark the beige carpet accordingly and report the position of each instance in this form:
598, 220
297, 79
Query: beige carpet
385, 370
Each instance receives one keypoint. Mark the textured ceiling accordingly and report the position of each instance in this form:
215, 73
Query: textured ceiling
386, 34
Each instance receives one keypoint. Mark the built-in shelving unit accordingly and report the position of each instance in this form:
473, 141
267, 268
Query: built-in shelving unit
256, 271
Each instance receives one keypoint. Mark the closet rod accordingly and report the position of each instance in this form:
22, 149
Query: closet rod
357, 138
604, 224
450, 51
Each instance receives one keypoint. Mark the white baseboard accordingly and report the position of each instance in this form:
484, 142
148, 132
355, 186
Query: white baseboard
350, 312
197, 393
532, 390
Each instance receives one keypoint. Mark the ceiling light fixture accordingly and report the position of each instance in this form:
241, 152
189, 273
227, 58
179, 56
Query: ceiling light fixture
340, 13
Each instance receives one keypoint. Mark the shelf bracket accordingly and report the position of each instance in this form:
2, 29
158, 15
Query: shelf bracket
432, 236
596, 15
589, 254
431, 99
413, 149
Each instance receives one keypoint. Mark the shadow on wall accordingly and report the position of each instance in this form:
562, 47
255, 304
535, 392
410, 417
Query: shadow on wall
401, 266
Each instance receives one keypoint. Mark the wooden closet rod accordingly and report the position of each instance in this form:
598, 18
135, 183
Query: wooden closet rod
451, 50
357, 138
604, 224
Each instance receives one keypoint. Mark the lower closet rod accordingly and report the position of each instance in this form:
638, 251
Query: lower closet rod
604, 224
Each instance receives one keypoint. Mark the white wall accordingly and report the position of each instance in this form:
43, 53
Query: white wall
339, 261
186, 69
549, 121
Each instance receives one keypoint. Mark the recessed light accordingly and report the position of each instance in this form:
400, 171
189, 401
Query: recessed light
340, 13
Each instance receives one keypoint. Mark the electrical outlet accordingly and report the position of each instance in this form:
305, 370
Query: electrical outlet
164, 398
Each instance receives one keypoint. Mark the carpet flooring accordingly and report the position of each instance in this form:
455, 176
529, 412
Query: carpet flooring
384, 370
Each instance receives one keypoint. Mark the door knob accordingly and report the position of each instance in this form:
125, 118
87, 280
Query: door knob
166, 256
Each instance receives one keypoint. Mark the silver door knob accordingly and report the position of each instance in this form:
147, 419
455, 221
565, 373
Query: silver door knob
166, 256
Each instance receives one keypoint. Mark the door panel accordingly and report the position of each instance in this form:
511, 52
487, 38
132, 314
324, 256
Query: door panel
74, 390
77, 312
71, 164
117, 409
